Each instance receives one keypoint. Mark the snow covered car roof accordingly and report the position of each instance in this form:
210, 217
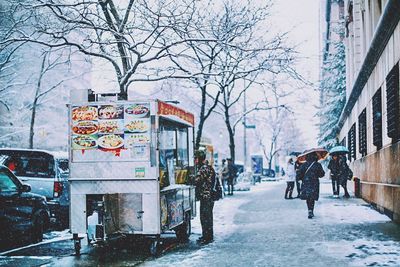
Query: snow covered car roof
55, 154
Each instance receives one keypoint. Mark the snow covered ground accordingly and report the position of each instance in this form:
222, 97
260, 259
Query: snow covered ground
260, 228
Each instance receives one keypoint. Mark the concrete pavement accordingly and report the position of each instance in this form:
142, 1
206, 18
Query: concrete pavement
267, 230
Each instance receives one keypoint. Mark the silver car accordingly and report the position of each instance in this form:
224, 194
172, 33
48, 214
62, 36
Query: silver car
47, 173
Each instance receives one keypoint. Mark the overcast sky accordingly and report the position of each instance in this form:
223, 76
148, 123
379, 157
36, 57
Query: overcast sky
301, 19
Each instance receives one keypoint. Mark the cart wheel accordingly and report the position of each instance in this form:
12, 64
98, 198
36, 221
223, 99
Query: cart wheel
154, 247
184, 230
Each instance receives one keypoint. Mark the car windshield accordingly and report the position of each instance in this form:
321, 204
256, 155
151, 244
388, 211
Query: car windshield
6, 183
29, 164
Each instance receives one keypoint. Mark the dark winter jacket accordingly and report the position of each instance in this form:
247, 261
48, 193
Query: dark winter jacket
340, 170
204, 182
232, 171
309, 173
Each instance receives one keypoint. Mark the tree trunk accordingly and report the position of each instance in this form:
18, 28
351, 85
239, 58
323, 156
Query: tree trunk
231, 136
32, 124
35, 101
199, 132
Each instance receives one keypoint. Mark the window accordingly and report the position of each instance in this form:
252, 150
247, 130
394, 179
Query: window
351, 137
362, 133
377, 119
174, 153
29, 163
7, 185
183, 150
392, 99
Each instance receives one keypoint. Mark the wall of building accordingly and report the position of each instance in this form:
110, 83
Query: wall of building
379, 170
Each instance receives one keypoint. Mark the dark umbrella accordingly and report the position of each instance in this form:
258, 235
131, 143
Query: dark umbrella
320, 152
338, 150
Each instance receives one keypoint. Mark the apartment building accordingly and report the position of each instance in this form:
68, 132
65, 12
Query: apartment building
370, 122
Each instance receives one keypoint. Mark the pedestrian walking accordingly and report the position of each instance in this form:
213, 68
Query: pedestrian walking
297, 165
231, 176
309, 173
205, 179
340, 172
290, 178
224, 173
333, 166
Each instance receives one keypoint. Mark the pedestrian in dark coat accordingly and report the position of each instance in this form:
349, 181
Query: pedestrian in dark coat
231, 176
333, 166
297, 165
309, 173
204, 181
340, 172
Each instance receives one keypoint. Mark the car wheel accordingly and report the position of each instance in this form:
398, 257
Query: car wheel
38, 227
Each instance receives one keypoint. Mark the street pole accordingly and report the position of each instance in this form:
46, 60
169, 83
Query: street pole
244, 132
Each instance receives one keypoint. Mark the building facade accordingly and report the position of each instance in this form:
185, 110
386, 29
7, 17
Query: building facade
370, 122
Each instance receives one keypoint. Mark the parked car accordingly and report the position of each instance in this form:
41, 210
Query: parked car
22, 213
47, 173
268, 173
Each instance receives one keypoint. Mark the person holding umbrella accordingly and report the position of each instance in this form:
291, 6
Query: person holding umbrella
333, 166
309, 173
340, 171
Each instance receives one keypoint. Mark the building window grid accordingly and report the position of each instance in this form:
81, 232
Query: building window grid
362, 133
393, 105
377, 119
351, 137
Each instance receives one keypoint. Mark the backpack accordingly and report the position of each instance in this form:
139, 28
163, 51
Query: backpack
216, 191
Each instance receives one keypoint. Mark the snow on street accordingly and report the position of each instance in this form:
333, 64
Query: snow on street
252, 228
261, 228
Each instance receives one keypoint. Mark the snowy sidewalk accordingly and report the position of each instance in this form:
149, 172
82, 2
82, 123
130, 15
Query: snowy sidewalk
261, 228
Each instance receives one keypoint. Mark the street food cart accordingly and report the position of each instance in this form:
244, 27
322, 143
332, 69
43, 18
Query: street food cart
130, 169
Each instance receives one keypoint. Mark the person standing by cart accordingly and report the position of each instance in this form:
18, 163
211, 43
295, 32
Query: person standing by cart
204, 182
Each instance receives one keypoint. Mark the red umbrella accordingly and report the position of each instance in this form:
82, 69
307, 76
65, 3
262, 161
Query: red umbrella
321, 153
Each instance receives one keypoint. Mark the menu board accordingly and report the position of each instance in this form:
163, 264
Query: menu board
116, 128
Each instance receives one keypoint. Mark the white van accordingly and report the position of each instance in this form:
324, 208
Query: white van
46, 172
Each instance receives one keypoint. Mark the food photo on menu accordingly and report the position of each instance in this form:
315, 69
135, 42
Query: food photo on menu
111, 112
84, 142
111, 141
85, 127
137, 110
111, 127
84, 113
137, 126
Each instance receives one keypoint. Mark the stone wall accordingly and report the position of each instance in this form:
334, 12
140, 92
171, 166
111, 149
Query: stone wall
380, 179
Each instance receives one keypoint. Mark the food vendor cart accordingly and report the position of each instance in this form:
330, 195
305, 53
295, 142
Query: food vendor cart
130, 163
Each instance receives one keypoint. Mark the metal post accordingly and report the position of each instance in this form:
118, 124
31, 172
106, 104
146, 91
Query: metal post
244, 132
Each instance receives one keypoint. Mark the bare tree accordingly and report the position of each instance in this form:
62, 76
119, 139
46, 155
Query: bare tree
245, 60
130, 36
277, 132
238, 54
50, 63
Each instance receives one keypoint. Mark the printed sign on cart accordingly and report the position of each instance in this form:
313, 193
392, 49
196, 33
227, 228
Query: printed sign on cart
111, 132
